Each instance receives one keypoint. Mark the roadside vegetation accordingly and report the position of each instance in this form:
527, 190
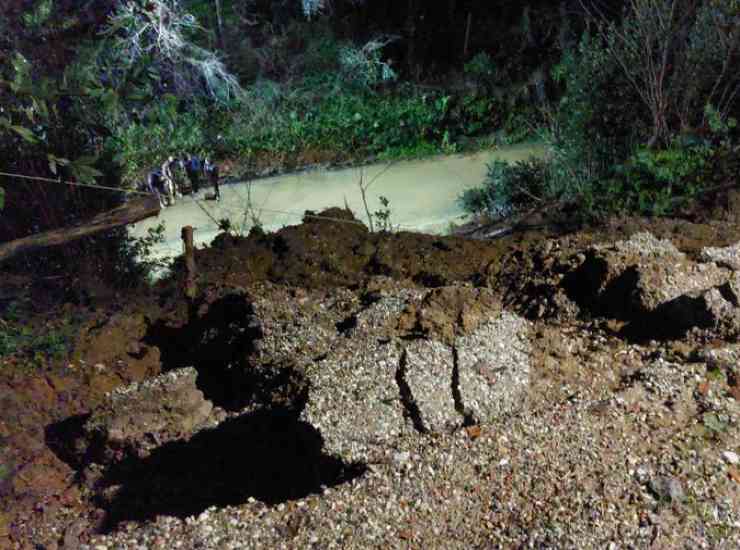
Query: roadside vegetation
646, 121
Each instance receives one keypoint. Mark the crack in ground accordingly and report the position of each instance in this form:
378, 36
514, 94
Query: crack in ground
468, 419
407, 399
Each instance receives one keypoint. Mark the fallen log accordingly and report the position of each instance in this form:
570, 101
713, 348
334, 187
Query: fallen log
131, 212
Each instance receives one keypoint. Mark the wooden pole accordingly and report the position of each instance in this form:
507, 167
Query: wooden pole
219, 27
467, 35
190, 287
133, 211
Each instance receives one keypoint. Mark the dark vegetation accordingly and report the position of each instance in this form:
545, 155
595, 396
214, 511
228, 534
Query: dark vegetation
637, 105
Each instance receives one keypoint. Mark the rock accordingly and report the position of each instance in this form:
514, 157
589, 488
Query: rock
630, 278
731, 458
494, 367
354, 400
376, 388
135, 419
715, 309
426, 374
118, 343
668, 488
728, 256
447, 312
726, 356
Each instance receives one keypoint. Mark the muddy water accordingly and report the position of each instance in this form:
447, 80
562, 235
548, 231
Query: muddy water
422, 196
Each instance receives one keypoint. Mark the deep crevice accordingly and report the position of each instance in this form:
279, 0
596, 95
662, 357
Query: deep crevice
407, 398
218, 345
468, 419
347, 324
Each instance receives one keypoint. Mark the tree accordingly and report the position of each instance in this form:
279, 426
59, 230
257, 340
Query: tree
678, 56
158, 34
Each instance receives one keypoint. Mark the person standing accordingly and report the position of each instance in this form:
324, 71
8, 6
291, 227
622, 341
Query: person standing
154, 184
211, 172
169, 179
193, 169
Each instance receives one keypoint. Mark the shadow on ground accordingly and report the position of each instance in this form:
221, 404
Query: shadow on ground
270, 456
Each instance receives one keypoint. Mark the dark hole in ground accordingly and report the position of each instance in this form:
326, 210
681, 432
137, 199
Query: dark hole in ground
270, 456
218, 344
61, 438
616, 299
347, 324
582, 285
429, 280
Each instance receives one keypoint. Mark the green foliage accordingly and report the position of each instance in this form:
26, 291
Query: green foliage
38, 344
39, 16
597, 159
135, 261
275, 121
382, 216
677, 56
36, 126
364, 66
482, 69
508, 188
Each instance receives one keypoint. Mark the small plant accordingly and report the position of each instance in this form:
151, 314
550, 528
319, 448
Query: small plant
383, 215
37, 344
224, 224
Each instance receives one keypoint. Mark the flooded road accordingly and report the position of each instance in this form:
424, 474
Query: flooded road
422, 196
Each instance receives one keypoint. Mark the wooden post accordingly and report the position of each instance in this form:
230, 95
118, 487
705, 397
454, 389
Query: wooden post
190, 288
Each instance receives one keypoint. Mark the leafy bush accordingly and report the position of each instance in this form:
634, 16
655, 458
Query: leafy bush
618, 138
364, 66
508, 188
135, 261
677, 56
482, 69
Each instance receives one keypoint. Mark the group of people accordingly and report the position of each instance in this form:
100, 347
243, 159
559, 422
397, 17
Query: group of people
168, 181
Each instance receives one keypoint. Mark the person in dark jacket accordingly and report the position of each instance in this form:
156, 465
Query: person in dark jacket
155, 184
211, 171
193, 168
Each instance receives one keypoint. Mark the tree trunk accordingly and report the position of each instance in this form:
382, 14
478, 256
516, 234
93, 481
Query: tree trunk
410, 28
219, 26
132, 212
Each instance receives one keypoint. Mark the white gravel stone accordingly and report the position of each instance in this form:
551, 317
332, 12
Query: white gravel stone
494, 365
428, 373
730, 457
728, 256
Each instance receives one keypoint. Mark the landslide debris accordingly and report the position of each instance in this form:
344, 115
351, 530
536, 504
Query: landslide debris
331, 386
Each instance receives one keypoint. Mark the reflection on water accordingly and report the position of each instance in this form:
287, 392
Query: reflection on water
422, 195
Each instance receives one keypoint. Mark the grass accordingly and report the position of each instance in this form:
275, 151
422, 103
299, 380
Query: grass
38, 344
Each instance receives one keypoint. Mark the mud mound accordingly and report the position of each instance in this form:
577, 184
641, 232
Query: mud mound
341, 252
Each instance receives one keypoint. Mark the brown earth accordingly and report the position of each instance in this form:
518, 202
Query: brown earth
124, 339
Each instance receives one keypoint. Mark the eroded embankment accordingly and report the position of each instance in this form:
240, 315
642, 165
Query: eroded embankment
338, 386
